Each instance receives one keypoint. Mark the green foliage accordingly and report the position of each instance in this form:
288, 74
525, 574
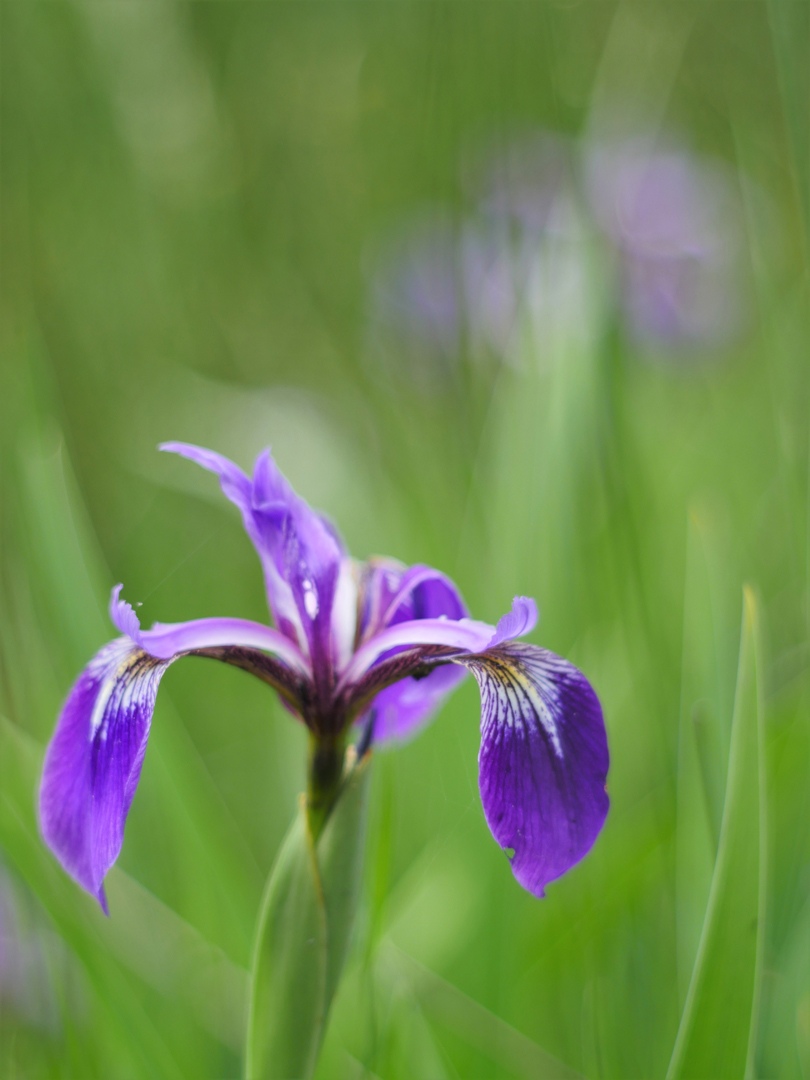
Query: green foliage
303, 934
195, 198
718, 1030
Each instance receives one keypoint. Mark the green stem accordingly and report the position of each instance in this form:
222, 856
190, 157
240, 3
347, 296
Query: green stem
324, 776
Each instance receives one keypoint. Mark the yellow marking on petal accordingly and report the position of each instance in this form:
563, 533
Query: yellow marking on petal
111, 680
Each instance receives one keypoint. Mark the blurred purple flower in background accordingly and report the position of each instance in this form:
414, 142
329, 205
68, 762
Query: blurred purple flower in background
478, 283
514, 180
375, 644
415, 297
674, 222
506, 279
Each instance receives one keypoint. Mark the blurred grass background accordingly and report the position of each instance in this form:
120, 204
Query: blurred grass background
210, 212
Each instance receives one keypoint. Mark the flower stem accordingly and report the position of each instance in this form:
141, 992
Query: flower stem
324, 775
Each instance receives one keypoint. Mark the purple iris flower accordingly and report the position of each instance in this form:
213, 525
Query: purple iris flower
376, 645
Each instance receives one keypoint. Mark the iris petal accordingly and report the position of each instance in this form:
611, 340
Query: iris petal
237, 487
300, 552
437, 613
425, 593
543, 759
464, 635
404, 709
93, 762
166, 640
521, 620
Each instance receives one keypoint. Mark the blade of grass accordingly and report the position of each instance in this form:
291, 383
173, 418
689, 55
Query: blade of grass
700, 795
790, 26
717, 1033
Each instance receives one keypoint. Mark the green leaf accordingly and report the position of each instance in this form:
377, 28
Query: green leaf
717, 1034
789, 26
702, 751
303, 935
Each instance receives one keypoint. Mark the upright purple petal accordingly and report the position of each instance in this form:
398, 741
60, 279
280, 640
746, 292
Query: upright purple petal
307, 554
345, 605
392, 593
543, 759
300, 552
240, 490
424, 593
379, 583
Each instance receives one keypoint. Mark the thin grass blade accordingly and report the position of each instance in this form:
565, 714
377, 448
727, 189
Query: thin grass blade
717, 1034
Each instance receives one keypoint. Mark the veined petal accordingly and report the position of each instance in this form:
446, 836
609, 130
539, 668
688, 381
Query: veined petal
405, 703
543, 759
94, 759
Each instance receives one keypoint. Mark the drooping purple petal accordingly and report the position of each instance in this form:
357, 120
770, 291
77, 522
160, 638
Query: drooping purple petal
543, 759
93, 762
94, 759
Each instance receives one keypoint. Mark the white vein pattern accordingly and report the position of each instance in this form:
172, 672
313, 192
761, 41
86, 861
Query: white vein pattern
129, 680
519, 685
